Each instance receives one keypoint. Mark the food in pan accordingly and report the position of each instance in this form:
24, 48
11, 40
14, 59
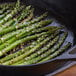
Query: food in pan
26, 39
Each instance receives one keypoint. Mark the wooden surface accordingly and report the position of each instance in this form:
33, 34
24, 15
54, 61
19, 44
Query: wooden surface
68, 72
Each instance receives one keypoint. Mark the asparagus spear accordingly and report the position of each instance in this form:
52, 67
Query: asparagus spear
9, 35
18, 42
1, 11
14, 21
24, 33
32, 44
10, 15
8, 57
3, 5
12, 34
28, 52
21, 25
29, 17
40, 51
53, 49
43, 36
6, 7
4, 14
57, 52
25, 13
13, 12
52, 31
52, 36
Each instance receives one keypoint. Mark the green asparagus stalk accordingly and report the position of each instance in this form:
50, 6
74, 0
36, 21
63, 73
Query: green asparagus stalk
18, 4
13, 12
4, 14
56, 53
45, 34
6, 7
42, 56
38, 18
18, 42
11, 56
3, 5
25, 33
10, 35
15, 21
10, 15
21, 25
52, 36
32, 45
40, 51
24, 13
28, 52
1, 11
29, 17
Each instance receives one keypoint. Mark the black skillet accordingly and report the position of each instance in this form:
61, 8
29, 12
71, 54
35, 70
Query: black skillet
59, 12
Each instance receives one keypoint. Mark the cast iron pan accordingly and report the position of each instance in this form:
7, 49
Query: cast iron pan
48, 66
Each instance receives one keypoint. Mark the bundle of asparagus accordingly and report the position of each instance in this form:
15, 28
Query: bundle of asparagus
18, 26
